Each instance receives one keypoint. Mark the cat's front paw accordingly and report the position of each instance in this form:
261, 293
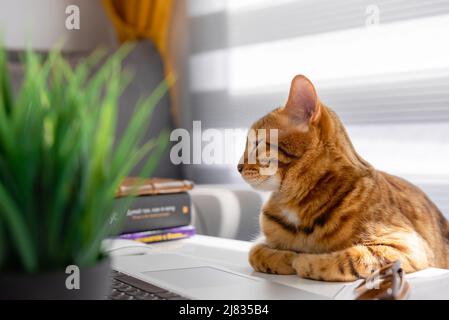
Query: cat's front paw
267, 260
301, 269
309, 266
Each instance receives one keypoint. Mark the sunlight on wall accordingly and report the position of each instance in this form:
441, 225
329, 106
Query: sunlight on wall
394, 48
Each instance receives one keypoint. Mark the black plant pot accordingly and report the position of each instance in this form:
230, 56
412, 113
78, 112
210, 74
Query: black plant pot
94, 284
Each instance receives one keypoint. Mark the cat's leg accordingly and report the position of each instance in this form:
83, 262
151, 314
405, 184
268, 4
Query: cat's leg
265, 259
354, 262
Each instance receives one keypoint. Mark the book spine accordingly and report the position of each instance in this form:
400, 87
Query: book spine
157, 212
161, 235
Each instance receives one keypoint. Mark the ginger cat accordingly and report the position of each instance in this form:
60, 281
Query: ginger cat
331, 215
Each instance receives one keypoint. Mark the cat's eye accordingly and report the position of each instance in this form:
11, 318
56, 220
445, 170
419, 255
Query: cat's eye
251, 144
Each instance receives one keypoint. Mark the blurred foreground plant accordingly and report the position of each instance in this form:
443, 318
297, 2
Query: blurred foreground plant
59, 162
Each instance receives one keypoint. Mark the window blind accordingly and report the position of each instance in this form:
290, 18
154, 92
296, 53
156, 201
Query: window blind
380, 78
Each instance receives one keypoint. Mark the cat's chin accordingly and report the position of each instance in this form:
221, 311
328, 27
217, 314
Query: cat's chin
271, 183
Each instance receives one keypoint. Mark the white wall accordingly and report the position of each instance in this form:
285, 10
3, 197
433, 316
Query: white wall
42, 22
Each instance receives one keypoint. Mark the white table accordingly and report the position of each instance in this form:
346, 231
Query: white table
233, 255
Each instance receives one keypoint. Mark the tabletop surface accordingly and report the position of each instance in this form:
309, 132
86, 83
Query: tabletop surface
233, 255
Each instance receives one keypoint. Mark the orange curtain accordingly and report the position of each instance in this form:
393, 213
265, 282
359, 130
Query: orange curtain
142, 19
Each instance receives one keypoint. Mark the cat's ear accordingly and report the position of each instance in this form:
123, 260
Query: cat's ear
302, 104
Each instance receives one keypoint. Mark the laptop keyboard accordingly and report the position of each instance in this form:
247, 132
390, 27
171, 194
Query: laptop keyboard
125, 287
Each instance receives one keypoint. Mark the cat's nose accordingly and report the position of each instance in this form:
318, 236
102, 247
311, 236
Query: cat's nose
240, 167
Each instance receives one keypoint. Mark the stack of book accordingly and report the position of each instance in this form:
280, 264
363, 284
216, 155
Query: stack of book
160, 209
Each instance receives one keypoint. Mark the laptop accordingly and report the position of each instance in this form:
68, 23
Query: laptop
172, 276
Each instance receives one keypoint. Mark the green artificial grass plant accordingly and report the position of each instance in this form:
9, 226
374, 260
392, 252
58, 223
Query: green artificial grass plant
60, 163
